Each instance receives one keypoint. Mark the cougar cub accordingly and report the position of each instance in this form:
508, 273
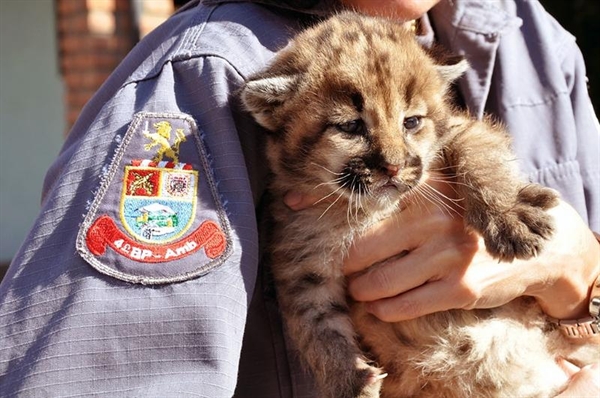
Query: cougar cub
357, 114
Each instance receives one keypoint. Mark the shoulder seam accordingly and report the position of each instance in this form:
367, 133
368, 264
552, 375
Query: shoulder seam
156, 71
184, 51
193, 33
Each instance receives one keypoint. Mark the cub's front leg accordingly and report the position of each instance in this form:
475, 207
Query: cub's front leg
509, 213
312, 300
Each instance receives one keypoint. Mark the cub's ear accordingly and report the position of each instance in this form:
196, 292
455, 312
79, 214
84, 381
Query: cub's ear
451, 71
263, 95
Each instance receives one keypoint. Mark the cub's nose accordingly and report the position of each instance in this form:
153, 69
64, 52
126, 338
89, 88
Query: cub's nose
391, 170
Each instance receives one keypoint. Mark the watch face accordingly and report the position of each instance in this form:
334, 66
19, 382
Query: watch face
595, 307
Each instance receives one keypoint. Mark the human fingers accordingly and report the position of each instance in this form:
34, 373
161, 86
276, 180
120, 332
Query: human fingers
425, 214
381, 242
584, 383
442, 258
425, 299
568, 266
408, 287
454, 291
298, 201
568, 367
455, 273
427, 284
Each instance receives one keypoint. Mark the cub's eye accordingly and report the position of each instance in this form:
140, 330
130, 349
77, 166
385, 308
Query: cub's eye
352, 127
411, 123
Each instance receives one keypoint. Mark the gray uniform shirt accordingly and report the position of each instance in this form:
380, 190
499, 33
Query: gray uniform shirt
138, 276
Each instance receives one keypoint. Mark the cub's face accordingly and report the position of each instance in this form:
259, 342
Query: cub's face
355, 108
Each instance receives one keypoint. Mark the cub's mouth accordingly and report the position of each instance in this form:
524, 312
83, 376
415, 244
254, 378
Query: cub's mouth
400, 186
358, 177
407, 179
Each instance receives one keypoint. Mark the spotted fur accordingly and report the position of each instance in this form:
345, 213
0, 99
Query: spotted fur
356, 114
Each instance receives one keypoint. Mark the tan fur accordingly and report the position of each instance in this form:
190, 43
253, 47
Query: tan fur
340, 104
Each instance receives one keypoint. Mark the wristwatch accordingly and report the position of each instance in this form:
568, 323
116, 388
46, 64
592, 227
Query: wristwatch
584, 327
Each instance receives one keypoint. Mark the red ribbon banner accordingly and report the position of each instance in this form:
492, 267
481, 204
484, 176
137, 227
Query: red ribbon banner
105, 232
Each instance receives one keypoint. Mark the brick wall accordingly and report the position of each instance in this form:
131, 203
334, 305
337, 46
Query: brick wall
95, 35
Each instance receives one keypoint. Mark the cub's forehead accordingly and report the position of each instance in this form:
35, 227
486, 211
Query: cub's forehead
357, 44
346, 32
348, 54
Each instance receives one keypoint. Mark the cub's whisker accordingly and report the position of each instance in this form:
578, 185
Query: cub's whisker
415, 196
349, 206
326, 169
441, 195
332, 204
329, 194
452, 185
450, 181
433, 199
439, 199
332, 182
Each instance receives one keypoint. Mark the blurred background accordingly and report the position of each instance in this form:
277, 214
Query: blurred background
54, 54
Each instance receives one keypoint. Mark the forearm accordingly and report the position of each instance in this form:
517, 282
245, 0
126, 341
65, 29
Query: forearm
571, 263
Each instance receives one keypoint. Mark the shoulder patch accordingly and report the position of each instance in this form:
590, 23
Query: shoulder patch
157, 217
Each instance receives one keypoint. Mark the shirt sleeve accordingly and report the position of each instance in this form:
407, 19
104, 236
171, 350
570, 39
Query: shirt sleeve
588, 130
68, 327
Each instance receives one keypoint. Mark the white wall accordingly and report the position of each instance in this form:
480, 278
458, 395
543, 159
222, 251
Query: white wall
31, 113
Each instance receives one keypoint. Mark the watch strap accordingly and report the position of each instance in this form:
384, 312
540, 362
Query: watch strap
588, 326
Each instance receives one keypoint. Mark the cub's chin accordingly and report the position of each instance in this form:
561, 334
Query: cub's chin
386, 198
388, 195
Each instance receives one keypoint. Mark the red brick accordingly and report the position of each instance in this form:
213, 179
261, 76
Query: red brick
101, 5
77, 99
74, 43
85, 81
65, 7
101, 22
90, 45
87, 59
87, 62
123, 6
113, 43
158, 7
74, 23
124, 23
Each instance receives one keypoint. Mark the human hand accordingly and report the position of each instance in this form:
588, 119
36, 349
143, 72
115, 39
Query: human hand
447, 267
584, 382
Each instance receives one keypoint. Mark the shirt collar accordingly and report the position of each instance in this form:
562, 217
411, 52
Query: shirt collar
312, 7
486, 17
473, 28
490, 17
325, 8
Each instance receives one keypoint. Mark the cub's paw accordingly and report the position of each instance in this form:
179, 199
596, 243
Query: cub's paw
538, 196
369, 380
521, 231
363, 381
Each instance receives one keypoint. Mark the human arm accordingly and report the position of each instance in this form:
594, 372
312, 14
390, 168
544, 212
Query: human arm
447, 267
66, 326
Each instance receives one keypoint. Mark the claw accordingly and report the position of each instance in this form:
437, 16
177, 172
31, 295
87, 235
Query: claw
375, 378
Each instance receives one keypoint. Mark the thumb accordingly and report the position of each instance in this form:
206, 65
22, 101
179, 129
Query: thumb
297, 201
569, 368
585, 383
